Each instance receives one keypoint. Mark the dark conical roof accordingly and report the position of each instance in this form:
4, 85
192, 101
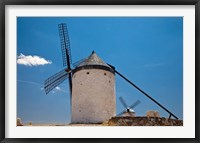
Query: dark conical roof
93, 62
93, 59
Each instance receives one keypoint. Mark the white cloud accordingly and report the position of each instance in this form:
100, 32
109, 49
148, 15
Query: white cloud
31, 60
59, 89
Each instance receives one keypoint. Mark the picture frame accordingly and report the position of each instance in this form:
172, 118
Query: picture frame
99, 2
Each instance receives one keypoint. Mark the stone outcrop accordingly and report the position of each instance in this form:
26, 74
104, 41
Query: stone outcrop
152, 114
19, 122
143, 121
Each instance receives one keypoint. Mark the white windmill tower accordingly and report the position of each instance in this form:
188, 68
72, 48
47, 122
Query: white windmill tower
93, 91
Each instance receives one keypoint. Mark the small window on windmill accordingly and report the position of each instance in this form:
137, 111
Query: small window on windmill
87, 73
104, 73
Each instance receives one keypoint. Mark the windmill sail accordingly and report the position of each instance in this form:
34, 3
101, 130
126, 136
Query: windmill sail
121, 113
66, 52
123, 102
135, 104
55, 80
65, 44
78, 62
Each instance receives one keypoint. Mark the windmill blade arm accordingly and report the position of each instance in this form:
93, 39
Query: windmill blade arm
78, 62
135, 104
65, 44
53, 85
121, 113
123, 102
55, 80
144, 93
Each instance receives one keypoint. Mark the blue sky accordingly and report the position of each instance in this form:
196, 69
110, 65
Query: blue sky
146, 50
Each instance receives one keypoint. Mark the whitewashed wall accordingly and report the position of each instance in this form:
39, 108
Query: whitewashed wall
93, 96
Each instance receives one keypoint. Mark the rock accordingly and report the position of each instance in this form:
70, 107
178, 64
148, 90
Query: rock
19, 122
152, 114
143, 121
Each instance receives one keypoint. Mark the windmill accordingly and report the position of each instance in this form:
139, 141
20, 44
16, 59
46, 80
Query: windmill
91, 85
129, 110
83, 93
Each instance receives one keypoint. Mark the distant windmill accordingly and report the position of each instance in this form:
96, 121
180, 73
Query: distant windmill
91, 85
129, 110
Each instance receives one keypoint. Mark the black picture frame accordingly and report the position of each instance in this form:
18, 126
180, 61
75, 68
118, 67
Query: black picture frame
99, 2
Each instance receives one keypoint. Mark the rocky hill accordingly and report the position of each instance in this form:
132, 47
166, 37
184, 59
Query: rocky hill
142, 121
